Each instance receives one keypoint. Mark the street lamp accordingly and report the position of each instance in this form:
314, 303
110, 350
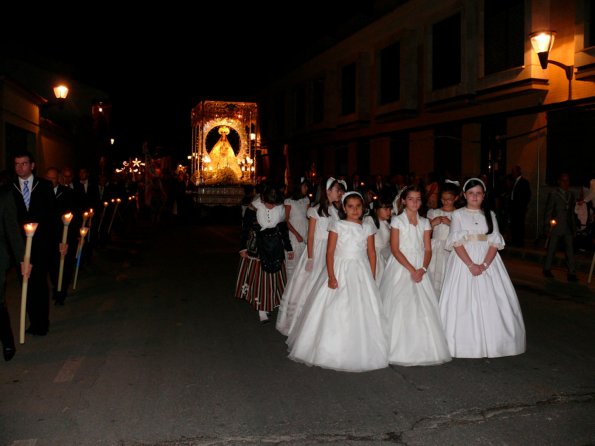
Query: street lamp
61, 91
542, 42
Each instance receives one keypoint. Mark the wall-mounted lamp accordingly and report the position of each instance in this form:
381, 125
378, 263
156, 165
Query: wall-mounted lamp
61, 91
542, 42
252, 136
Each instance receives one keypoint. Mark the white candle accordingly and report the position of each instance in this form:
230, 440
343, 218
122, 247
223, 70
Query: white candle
66, 219
29, 232
109, 230
83, 232
105, 205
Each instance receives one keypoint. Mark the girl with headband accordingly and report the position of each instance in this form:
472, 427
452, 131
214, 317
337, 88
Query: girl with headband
479, 307
312, 262
341, 326
414, 331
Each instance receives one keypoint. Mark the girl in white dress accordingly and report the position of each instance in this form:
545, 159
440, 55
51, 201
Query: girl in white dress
296, 207
381, 211
414, 330
440, 222
341, 326
312, 262
479, 307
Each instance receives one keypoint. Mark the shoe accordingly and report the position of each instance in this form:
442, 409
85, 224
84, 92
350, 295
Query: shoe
572, 278
8, 353
547, 273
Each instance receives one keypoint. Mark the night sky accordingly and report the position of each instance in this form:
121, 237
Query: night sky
159, 63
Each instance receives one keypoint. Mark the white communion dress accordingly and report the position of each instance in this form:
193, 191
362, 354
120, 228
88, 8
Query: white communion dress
382, 245
414, 330
343, 329
440, 255
481, 314
302, 281
299, 220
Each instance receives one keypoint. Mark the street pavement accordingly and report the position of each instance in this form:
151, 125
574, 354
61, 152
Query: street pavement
151, 349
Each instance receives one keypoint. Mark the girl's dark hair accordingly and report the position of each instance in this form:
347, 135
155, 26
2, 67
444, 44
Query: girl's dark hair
271, 195
381, 201
322, 199
485, 206
343, 214
449, 188
295, 192
403, 196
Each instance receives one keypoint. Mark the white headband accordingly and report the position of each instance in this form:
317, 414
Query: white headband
331, 180
456, 183
347, 194
473, 179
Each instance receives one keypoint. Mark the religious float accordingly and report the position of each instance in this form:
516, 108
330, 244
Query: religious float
225, 138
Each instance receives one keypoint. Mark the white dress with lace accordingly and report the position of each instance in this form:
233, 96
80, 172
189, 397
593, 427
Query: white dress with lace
302, 281
299, 220
481, 314
440, 255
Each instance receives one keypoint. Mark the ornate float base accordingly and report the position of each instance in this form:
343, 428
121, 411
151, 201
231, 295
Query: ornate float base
218, 195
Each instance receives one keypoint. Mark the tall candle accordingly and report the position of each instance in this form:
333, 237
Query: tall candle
109, 230
66, 219
105, 205
29, 232
83, 233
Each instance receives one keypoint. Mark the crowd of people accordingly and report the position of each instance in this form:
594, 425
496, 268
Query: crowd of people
372, 274
74, 215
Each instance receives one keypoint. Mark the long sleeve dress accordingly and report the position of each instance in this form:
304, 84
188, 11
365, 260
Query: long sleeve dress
481, 314
302, 281
342, 328
414, 329
299, 220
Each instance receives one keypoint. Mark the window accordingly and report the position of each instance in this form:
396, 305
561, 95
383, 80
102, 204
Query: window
399, 153
17, 139
390, 73
504, 35
348, 84
318, 101
446, 52
447, 151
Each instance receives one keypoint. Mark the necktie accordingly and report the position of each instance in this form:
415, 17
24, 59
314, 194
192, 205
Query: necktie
26, 194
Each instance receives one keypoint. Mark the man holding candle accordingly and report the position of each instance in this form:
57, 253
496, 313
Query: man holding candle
10, 243
560, 225
63, 204
34, 200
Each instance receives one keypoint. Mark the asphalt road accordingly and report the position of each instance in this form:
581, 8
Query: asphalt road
152, 349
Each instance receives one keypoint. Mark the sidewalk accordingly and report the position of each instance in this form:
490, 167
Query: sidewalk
525, 267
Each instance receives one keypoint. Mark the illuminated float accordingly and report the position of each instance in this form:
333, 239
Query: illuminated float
225, 137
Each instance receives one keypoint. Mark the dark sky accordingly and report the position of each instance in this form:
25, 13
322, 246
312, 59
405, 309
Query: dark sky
156, 64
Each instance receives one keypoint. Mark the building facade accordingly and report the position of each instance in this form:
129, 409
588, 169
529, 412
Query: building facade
451, 87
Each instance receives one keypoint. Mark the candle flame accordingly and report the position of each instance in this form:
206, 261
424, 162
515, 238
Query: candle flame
105, 204
84, 231
66, 218
91, 211
30, 229
118, 200
553, 222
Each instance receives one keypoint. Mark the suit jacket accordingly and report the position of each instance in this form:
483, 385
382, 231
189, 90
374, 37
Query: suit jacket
521, 195
41, 211
559, 206
87, 199
10, 239
63, 204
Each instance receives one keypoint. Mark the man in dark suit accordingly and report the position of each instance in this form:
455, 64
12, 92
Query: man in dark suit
560, 225
519, 203
34, 200
10, 243
63, 204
